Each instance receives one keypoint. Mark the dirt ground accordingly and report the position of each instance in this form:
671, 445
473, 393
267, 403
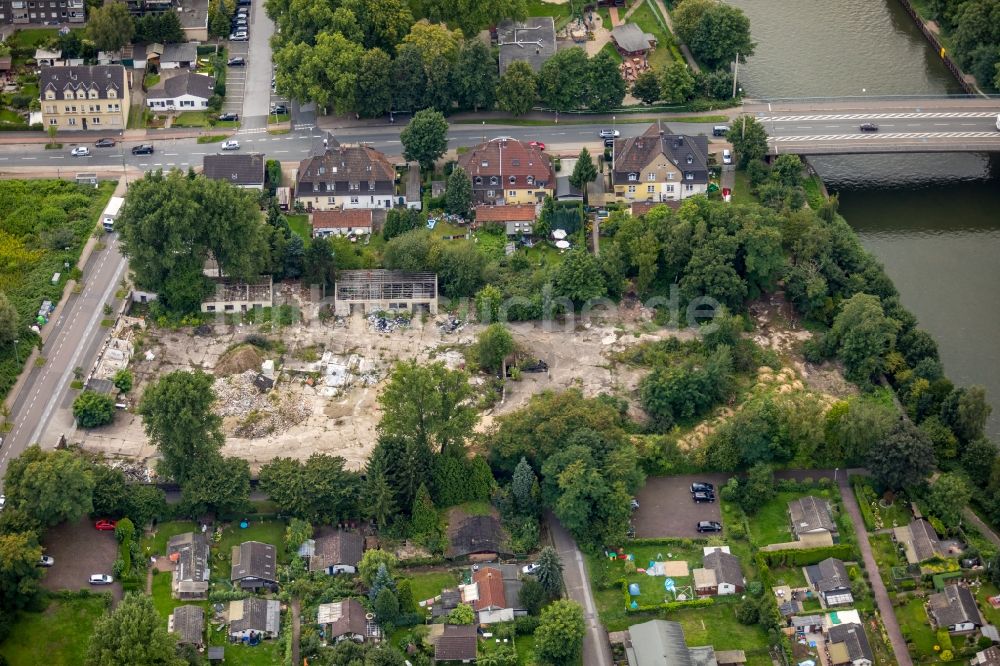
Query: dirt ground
79, 550
667, 510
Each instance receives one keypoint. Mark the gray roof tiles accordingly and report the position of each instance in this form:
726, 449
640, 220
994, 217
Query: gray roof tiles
253, 559
343, 548
689, 154
101, 78
810, 514
185, 83
853, 636
726, 567
954, 605
237, 168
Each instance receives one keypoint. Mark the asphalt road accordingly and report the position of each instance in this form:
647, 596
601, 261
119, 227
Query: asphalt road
257, 88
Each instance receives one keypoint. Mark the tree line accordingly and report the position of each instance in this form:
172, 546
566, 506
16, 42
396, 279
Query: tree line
972, 28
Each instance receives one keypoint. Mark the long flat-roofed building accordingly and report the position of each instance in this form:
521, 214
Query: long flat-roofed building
379, 289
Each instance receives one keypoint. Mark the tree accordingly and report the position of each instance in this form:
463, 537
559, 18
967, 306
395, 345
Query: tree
319, 264
749, 140
318, 489
716, 32
19, 572
647, 87
852, 431
475, 75
92, 409
584, 173
559, 637
460, 270
382, 581
110, 491
533, 596
217, 485
748, 612
495, 344
133, 633
863, 336
409, 78
178, 416
374, 84
384, 655
424, 520
425, 138
8, 321
757, 489
325, 73
550, 570
110, 26
381, 502
605, 86
383, 22
386, 607
563, 80
462, 614
489, 300
787, 169
426, 404
458, 196
579, 278
123, 380
966, 411
49, 486
523, 488
948, 495
220, 17
676, 82
372, 561
977, 460
518, 88
904, 458
398, 221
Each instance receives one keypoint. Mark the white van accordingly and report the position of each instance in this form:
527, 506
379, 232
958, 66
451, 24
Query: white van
998, 121
111, 213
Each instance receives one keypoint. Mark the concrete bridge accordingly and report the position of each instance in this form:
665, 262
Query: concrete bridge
906, 124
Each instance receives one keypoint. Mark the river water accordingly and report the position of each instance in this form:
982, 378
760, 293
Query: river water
932, 219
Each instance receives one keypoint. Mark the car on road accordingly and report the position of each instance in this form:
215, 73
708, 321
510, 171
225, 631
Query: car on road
237, 62
869, 127
240, 36
142, 149
279, 110
701, 487
703, 497
104, 143
709, 526
101, 579
530, 569
609, 143
230, 117
537, 144
80, 151
106, 525
720, 130
46, 561
727, 156
610, 134
232, 144
3, 500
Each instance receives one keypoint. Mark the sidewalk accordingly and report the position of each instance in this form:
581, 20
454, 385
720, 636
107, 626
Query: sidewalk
89, 136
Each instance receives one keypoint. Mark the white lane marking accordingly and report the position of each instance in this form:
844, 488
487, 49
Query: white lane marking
879, 116
887, 136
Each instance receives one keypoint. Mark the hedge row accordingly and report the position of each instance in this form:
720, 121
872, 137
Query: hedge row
807, 556
665, 606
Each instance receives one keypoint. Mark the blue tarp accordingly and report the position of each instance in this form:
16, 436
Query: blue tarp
633, 589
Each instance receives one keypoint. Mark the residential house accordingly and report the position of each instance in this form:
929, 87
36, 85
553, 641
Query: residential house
255, 565
848, 645
186, 91
346, 177
919, 541
662, 643
193, 14
356, 222
490, 599
720, 573
657, 166
811, 517
954, 609
346, 620
245, 170
188, 622
532, 41
176, 56
47, 58
85, 97
189, 553
988, 657
448, 601
631, 40
456, 643
806, 624
413, 199
19, 12
336, 553
256, 616
518, 220
830, 580
508, 171
567, 191
477, 537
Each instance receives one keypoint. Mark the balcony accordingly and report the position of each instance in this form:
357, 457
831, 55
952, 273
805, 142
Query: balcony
75, 4
19, 4
77, 17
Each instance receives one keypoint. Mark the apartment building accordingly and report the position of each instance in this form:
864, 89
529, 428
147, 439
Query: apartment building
84, 97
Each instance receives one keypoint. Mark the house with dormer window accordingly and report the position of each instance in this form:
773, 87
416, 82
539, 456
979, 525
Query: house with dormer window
78, 98
344, 177
660, 167
508, 171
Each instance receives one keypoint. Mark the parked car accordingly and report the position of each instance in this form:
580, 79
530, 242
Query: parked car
46, 561
80, 151
537, 144
720, 130
142, 149
237, 62
232, 117
609, 143
703, 497
106, 525
701, 487
101, 579
530, 569
610, 134
869, 127
243, 11
243, 3
232, 144
727, 156
634, 504
240, 36
709, 526
240, 25
104, 143
280, 110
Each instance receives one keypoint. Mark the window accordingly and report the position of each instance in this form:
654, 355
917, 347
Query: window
354, 186
631, 189
322, 170
689, 175
531, 180
112, 94
479, 180
688, 188
95, 121
49, 94
354, 200
512, 179
68, 94
670, 188
512, 193
93, 94
72, 121
651, 189
491, 193
210, 308
368, 168
53, 121
670, 176
331, 200
651, 176
494, 180
632, 177
371, 186
229, 308
516, 162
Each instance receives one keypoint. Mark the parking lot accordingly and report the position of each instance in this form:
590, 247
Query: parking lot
667, 510
80, 550
236, 78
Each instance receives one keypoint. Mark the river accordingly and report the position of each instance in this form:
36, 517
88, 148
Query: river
933, 220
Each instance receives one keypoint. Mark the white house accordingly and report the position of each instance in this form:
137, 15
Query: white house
355, 222
184, 92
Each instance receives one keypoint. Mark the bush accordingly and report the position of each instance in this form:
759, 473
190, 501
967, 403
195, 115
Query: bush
806, 556
526, 625
93, 410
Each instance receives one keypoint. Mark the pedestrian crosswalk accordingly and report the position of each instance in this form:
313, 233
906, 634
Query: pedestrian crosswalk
878, 116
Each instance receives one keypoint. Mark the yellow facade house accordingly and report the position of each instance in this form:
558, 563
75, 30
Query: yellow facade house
81, 98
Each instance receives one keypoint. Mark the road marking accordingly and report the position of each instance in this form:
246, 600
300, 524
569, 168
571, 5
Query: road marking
880, 116
170, 154
30, 158
887, 136
280, 151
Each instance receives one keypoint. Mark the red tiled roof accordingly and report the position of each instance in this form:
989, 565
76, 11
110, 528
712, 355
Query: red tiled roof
491, 594
515, 213
341, 219
505, 158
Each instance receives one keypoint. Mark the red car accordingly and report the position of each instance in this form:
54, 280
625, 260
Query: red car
537, 144
106, 525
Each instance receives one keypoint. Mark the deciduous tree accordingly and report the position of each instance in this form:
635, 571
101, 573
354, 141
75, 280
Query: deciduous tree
904, 458
563, 79
409, 79
676, 83
647, 87
462, 614
458, 196
372, 561
8, 321
92, 409
518, 88
325, 73
375, 84
383, 22
110, 26
49, 486
716, 32
217, 485
949, 494
863, 336
579, 278
475, 75
494, 344
133, 633
749, 140
559, 637
318, 490
425, 138
605, 86
966, 411
19, 572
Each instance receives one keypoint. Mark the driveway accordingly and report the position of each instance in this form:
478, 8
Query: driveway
257, 91
667, 510
236, 78
80, 550
596, 650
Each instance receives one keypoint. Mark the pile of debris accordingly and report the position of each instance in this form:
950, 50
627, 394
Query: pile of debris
133, 470
260, 413
384, 322
338, 373
451, 325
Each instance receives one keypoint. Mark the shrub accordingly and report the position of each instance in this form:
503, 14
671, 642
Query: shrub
93, 410
526, 625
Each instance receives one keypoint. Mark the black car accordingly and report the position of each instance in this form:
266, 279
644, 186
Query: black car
105, 143
703, 497
609, 143
709, 526
280, 110
232, 117
237, 62
699, 487
143, 149
869, 127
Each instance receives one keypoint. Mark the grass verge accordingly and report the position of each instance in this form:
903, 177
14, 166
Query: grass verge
529, 122
212, 138
58, 636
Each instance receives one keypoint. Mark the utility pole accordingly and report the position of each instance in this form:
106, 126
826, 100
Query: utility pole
736, 72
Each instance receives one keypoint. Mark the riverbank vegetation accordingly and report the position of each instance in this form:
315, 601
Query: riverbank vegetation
971, 29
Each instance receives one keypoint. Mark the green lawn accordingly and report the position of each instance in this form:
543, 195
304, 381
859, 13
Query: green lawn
267, 653
428, 585
651, 588
274, 118
299, 224
791, 576
10, 117
151, 80
57, 636
991, 614
32, 38
524, 645
915, 627
267, 531
647, 21
717, 626
770, 524
741, 189
156, 545
191, 119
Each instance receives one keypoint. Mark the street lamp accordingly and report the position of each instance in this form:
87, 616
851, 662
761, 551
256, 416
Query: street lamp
16, 356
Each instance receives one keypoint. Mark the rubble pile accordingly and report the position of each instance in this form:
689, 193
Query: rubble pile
133, 470
383, 322
261, 413
451, 325
339, 373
